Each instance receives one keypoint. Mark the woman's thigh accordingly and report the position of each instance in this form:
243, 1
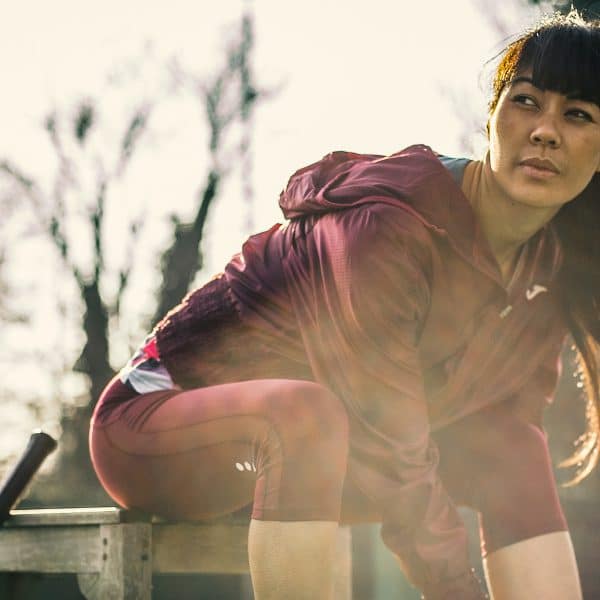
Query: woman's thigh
500, 465
200, 453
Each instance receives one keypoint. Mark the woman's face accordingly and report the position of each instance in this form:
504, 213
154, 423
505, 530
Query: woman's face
544, 147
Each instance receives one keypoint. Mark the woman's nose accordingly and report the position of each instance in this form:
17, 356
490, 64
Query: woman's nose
546, 132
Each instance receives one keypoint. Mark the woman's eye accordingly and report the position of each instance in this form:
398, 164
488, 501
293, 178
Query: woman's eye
525, 100
580, 115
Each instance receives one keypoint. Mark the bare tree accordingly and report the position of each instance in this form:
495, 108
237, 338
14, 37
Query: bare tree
50, 209
227, 99
182, 260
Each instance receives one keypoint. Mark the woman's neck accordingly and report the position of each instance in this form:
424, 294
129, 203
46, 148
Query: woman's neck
506, 224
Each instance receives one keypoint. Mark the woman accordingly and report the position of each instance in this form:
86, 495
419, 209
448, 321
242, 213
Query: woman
388, 353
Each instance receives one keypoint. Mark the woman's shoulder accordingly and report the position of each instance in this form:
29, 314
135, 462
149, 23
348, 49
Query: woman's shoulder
399, 220
363, 233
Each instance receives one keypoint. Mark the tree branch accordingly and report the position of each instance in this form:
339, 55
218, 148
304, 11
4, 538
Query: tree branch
182, 260
125, 273
97, 218
52, 225
137, 125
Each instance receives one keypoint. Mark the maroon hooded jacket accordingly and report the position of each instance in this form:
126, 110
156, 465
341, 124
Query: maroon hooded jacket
382, 287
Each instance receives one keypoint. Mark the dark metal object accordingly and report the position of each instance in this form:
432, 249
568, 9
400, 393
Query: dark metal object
39, 447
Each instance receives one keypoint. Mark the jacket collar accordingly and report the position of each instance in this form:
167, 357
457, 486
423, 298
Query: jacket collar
413, 179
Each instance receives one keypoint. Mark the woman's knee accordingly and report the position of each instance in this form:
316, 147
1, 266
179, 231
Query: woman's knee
308, 412
521, 458
302, 457
517, 494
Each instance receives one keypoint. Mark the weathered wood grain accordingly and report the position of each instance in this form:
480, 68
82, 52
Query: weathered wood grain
114, 558
50, 550
64, 516
126, 566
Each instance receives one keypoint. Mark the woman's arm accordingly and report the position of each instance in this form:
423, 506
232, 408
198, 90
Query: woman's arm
360, 287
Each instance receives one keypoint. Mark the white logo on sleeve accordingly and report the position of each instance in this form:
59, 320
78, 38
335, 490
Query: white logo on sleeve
531, 293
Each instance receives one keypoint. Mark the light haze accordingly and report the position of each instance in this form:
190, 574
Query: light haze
367, 77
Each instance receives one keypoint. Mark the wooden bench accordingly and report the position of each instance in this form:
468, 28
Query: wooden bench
114, 552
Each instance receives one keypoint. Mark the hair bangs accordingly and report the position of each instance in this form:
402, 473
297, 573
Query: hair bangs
564, 59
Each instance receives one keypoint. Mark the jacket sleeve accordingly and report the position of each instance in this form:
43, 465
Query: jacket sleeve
361, 291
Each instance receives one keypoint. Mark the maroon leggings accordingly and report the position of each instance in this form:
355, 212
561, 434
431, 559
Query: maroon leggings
283, 444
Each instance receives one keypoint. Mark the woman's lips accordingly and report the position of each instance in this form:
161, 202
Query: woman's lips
537, 172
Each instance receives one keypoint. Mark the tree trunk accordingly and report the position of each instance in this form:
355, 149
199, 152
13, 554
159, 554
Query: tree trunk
182, 260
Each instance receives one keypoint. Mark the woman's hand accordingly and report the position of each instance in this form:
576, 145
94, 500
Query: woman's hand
463, 587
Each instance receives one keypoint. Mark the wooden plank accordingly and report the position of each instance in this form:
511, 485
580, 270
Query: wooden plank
51, 550
115, 559
134, 565
41, 517
193, 548
126, 570
64, 516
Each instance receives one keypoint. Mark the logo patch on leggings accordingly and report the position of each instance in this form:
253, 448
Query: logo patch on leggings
245, 466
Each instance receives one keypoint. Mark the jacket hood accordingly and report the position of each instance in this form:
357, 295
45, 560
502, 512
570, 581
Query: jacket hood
413, 179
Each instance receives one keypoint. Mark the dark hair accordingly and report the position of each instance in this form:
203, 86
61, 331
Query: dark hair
563, 54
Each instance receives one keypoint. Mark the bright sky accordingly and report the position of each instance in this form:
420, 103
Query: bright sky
364, 76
